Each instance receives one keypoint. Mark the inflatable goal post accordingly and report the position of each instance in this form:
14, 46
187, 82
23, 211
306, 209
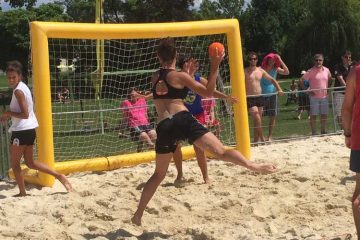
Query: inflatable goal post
81, 73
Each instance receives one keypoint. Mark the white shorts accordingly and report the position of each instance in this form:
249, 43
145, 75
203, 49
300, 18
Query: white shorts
338, 101
318, 106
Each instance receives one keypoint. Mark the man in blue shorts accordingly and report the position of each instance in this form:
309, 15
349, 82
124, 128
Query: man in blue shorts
319, 77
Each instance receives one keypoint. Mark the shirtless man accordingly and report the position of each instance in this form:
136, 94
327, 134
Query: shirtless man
255, 101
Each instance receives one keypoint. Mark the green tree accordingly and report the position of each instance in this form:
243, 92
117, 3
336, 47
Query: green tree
131, 11
28, 4
220, 9
14, 28
80, 10
157, 10
114, 11
328, 27
267, 24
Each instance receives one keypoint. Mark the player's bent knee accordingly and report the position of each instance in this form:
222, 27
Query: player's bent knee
218, 151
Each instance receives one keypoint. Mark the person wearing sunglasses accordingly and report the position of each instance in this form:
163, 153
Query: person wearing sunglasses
341, 71
255, 101
319, 78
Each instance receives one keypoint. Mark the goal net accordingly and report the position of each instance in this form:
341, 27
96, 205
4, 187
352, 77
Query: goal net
82, 74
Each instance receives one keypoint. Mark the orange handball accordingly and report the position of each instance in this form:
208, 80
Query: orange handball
216, 46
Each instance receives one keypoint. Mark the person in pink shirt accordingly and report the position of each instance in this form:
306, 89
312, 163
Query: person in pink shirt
135, 113
319, 78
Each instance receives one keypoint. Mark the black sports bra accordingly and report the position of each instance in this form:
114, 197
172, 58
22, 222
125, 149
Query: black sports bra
171, 93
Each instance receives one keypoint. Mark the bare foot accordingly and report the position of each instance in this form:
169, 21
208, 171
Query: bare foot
206, 180
179, 182
136, 220
265, 168
65, 182
20, 195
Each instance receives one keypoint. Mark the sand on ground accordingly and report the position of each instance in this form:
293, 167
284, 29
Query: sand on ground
308, 198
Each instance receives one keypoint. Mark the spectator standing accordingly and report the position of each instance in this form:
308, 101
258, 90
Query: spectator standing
303, 97
292, 95
319, 77
341, 70
255, 101
65, 95
273, 65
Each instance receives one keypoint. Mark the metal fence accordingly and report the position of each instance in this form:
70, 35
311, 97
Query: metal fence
4, 150
290, 124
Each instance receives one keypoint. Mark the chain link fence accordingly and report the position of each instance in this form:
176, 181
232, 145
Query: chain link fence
290, 124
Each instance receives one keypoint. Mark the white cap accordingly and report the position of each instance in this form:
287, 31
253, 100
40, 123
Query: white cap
303, 72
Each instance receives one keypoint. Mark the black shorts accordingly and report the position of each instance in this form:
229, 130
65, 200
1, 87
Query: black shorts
355, 161
135, 131
180, 126
255, 101
270, 106
24, 137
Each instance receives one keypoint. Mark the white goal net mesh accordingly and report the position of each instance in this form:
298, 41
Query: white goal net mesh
90, 80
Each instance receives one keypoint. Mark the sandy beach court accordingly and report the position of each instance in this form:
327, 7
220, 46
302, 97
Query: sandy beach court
308, 198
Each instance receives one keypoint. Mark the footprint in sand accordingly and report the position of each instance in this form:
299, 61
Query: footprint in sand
187, 205
104, 217
198, 234
168, 208
103, 203
229, 203
152, 211
301, 179
85, 193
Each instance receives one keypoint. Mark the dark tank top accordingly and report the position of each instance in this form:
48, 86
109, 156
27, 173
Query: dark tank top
172, 93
